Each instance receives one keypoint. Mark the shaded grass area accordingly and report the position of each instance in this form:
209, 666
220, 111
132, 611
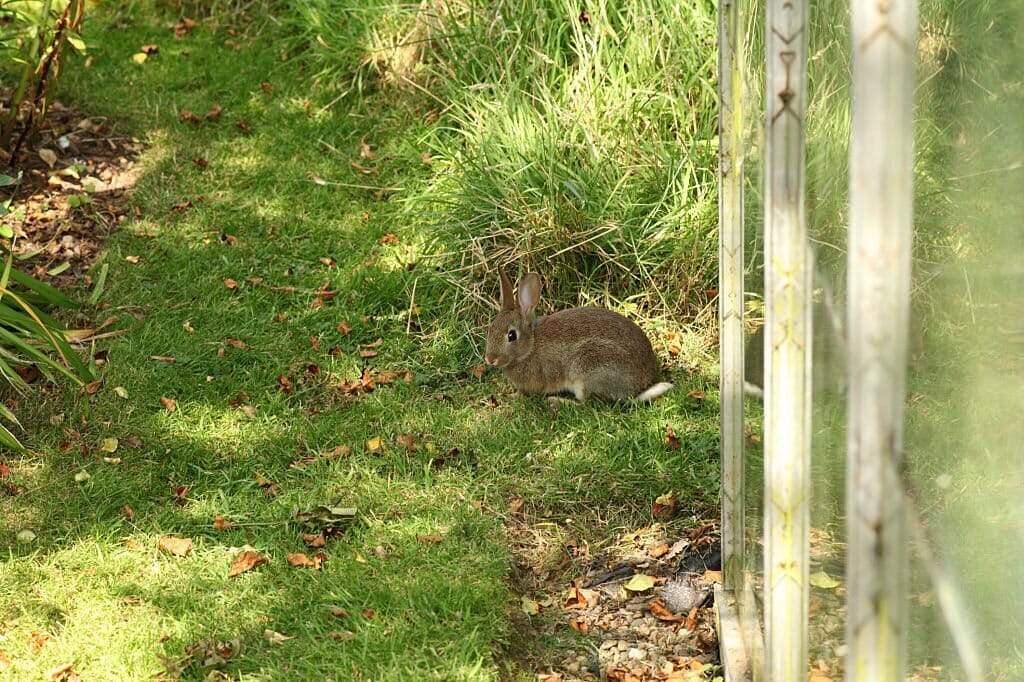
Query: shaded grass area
283, 206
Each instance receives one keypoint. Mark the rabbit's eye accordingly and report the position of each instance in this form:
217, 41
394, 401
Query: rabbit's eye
512, 335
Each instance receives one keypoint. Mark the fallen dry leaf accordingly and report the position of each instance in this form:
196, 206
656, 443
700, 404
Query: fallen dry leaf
132, 259
269, 486
230, 283
824, 581
364, 384
63, 673
180, 493
640, 582
338, 451
664, 505
365, 170
671, 441
384, 378
220, 523
170, 404
661, 612
174, 545
162, 358
529, 606
580, 626
691, 619
182, 28
190, 117
314, 540
36, 641
713, 576
434, 538
478, 370
275, 637
702, 530
299, 559
375, 445
369, 613
579, 598
246, 561
48, 156
344, 327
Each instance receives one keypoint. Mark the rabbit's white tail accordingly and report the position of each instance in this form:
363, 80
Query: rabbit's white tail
655, 391
753, 390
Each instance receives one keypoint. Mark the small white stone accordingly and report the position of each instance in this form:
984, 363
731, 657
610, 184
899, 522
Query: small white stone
636, 654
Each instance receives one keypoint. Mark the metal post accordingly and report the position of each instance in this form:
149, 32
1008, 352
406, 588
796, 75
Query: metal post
787, 345
730, 289
880, 242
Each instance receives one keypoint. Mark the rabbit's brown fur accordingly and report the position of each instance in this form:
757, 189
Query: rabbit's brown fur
585, 351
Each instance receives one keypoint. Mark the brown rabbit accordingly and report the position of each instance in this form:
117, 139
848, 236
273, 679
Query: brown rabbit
585, 351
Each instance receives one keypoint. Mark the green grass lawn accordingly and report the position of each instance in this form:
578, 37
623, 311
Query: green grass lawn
305, 190
325, 193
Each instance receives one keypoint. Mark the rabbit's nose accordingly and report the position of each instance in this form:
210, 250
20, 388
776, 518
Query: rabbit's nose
491, 360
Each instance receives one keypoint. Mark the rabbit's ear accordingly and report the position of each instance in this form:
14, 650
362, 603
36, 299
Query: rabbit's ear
529, 293
508, 300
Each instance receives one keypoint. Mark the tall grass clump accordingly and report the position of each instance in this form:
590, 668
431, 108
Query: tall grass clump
578, 140
34, 37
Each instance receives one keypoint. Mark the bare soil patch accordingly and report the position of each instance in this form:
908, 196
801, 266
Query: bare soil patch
641, 609
75, 182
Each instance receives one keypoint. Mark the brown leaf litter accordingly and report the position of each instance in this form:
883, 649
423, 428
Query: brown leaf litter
76, 178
